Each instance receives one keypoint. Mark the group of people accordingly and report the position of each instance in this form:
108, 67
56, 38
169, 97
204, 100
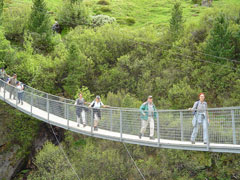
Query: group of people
81, 110
15, 87
148, 111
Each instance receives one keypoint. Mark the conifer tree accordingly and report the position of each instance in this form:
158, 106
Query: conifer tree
219, 42
176, 21
39, 26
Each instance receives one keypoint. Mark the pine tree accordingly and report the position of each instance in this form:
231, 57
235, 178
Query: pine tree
176, 21
219, 42
40, 27
1, 10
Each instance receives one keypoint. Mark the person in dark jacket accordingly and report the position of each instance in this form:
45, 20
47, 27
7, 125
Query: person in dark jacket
12, 82
148, 113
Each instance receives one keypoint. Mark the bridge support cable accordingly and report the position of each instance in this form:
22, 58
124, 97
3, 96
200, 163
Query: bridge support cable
61, 148
139, 171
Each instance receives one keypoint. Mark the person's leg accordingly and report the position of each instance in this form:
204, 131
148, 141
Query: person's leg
205, 130
144, 124
10, 92
83, 118
19, 97
151, 121
96, 119
78, 119
194, 133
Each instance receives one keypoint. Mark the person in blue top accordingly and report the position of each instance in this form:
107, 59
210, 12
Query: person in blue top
200, 113
148, 113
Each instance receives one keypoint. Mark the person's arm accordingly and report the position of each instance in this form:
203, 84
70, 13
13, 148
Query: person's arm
75, 102
91, 104
142, 109
194, 107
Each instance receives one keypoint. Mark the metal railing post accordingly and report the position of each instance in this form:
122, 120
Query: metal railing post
16, 96
48, 109
4, 92
111, 123
120, 125
31, 102
91, 120
158, 129
181, 121
65, 109
233, 127
208, 139
67, 113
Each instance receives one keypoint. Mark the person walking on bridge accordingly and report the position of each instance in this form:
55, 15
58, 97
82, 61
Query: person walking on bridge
200, 113
148, 113
12, 82
96, 105
80, 110
20, 92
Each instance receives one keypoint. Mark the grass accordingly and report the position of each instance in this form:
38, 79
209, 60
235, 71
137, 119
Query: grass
144, 12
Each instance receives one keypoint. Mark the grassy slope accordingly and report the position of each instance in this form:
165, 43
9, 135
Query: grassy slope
145, 12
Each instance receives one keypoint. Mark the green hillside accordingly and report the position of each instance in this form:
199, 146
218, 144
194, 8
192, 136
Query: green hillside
140, 13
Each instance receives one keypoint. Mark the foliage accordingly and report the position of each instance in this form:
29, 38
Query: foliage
51, 164
73, 14
15, 21
39, 27
176, 21
100, 20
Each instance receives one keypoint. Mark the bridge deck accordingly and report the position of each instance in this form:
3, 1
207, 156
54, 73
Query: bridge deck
116, 136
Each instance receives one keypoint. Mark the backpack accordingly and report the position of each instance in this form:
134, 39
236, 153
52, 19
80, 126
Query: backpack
194, 112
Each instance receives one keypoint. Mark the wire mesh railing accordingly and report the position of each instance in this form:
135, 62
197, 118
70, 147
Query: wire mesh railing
125, 123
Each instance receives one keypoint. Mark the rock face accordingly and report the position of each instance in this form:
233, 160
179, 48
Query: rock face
10, 163
207, 3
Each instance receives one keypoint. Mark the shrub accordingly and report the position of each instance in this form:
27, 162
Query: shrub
103, 2
130, 21
100, 20
73, 14
15, 21
105, 9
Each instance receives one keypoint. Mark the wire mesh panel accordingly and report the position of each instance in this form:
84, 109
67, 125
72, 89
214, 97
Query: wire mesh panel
170, 125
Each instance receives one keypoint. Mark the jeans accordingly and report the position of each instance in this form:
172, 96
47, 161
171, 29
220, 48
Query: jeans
145, 124
82, 117
20, 97
200, 119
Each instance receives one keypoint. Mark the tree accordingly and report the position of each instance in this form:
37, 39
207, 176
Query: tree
1, 8
40, 27
176, 21
219, 42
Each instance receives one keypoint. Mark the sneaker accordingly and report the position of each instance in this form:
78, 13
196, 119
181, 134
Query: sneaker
151, 138
84, 125
193, 142
140, 135
77, 125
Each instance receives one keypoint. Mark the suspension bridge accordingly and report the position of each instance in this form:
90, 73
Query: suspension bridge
172, 128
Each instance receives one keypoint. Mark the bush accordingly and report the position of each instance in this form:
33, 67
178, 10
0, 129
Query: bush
100, 20
105, 9
15, 21
103, 2
130, 21
73, 14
